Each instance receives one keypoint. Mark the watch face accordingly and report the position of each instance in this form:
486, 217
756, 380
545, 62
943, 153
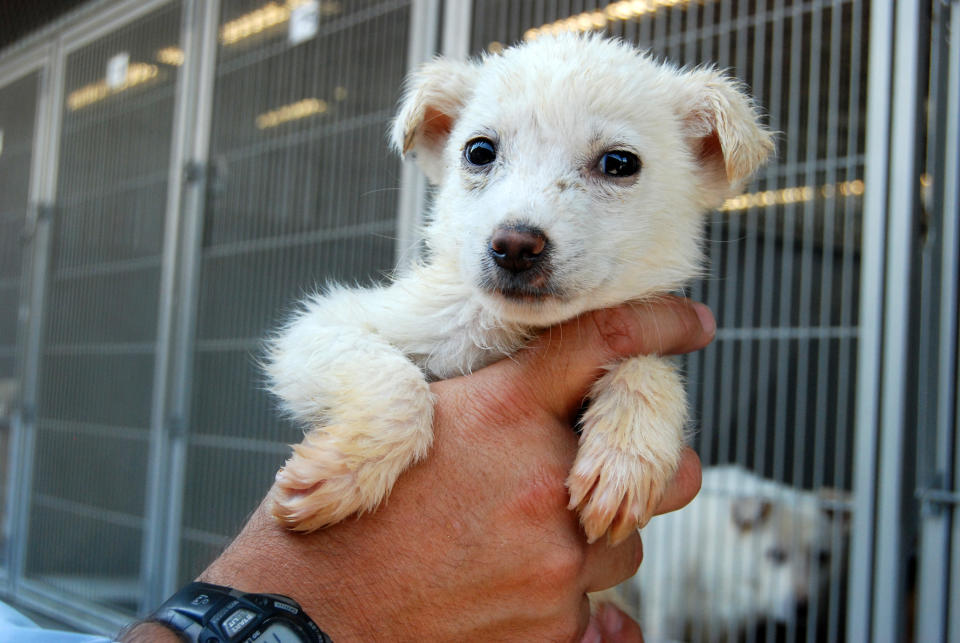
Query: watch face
278, 632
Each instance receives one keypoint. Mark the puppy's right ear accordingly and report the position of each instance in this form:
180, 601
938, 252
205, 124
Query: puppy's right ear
432, 102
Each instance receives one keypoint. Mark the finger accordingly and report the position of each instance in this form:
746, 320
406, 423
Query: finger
560, 365
606, 566
608, 624
685, 484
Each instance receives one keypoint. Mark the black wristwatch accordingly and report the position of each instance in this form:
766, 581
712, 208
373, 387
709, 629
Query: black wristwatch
207, 613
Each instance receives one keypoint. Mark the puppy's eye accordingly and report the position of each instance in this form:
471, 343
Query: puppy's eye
480, 151
777, 555
619, 163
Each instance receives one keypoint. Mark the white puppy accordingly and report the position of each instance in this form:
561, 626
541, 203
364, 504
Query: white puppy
745, 550
572, 174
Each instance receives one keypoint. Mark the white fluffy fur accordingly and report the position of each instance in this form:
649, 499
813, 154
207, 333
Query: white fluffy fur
353, 365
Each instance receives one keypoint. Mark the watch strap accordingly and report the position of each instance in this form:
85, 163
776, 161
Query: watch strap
206, 612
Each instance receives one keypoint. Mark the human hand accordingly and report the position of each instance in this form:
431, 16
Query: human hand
476, 540
609, 624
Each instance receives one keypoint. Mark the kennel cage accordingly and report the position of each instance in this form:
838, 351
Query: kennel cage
176, 174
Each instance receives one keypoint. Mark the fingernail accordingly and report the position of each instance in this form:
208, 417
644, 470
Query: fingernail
705, 315
592, 634
612, 619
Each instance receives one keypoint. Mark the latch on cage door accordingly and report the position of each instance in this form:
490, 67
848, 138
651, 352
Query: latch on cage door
214, 174
39, 213
934, 499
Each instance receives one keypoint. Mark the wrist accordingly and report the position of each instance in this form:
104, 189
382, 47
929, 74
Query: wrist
265, 558
208, 613
148, 632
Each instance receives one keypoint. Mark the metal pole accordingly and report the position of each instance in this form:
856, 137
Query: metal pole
422, 46
871, 311
948, 412
155, 558
889, 565
204, 41
456, 28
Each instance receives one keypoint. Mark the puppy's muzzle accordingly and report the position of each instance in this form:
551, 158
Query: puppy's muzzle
519, 259
517, 249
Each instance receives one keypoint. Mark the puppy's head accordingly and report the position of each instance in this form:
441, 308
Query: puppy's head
572, 172
791, 549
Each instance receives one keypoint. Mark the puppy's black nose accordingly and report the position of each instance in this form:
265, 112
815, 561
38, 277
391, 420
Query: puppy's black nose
517, 248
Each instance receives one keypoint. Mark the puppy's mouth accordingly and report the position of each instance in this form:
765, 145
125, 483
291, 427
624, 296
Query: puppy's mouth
529, 287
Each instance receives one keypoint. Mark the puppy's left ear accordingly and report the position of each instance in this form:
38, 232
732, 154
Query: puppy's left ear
431, 104
724, 132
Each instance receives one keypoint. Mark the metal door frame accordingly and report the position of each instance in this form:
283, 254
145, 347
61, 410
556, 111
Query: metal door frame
36, 59
188, 170
90, 26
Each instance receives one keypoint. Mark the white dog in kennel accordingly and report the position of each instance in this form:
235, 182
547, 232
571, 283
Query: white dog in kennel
746, 551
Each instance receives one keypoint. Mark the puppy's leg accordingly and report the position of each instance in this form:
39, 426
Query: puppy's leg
630, 446
367, 409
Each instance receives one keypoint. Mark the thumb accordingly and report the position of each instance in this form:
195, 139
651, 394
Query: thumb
561, 364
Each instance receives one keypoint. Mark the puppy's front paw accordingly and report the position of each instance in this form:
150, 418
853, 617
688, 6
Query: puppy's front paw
349, 466
615, 492
629, 449
321, 485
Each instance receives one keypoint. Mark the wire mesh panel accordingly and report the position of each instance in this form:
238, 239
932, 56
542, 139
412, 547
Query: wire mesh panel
774, 393
303, 191
18, 104
86, 520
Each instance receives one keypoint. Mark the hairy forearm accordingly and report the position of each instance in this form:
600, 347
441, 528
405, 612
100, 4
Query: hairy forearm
312, 569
